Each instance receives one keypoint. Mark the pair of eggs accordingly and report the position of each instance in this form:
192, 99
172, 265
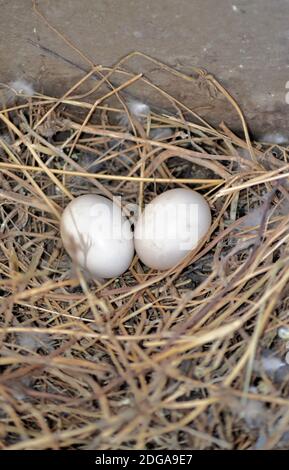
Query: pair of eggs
99, 238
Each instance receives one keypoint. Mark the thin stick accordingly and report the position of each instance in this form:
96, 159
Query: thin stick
213, 182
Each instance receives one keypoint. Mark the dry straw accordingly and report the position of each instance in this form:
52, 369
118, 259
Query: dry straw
148, 360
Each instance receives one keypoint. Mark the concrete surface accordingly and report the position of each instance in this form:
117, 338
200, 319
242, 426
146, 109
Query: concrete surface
243, 42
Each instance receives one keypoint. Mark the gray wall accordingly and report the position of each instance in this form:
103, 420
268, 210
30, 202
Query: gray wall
245, 43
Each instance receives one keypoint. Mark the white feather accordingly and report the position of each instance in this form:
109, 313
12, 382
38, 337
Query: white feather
271, 363
138, 108
18, 89
22, 87
283, 332
253, 413
32, 342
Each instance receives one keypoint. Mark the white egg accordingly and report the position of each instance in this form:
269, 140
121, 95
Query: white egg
97, 235
170, 227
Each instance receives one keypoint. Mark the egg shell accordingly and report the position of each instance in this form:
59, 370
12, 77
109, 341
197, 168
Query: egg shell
97, 235
170, 227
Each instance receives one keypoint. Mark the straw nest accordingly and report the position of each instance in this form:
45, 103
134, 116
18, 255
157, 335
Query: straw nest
190, 358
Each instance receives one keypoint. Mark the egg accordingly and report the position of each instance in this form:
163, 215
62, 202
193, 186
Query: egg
170, 227
97, 236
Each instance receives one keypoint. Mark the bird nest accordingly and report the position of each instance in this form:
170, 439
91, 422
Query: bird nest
193, 357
